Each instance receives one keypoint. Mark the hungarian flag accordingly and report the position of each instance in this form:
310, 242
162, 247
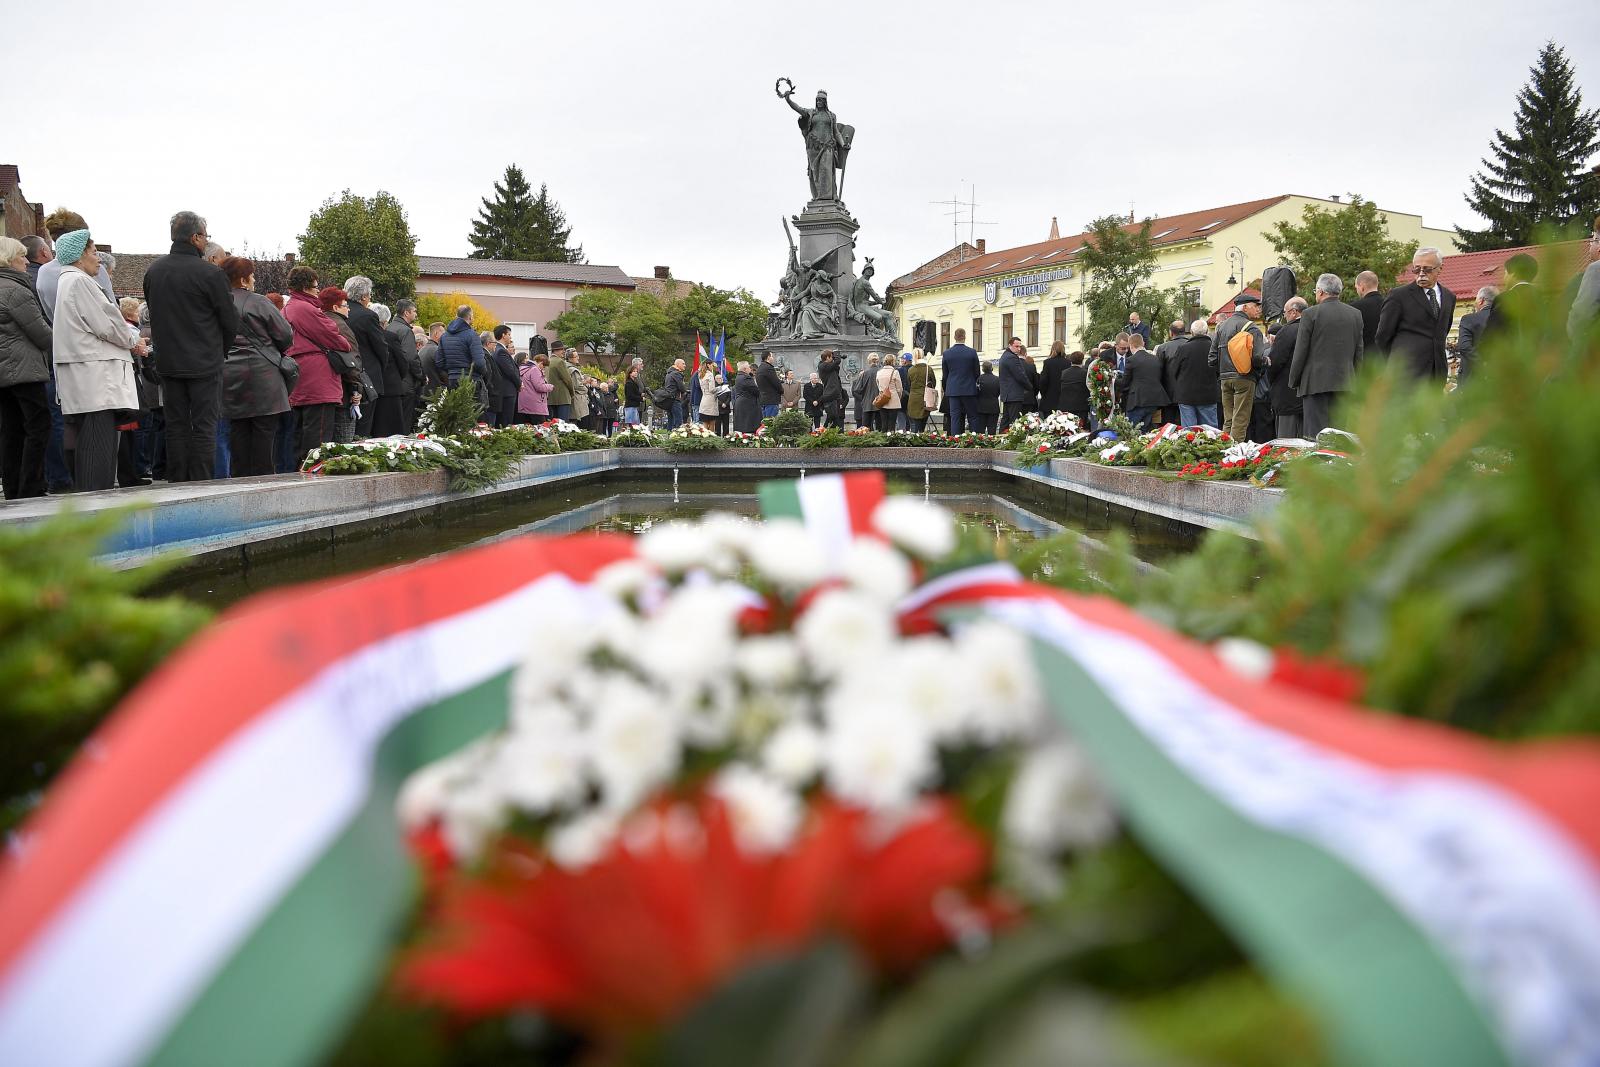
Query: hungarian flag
693, 414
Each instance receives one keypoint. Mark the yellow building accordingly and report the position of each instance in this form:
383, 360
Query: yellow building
1032, 292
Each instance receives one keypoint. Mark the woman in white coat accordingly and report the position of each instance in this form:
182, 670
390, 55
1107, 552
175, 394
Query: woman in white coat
710, 410
93, 352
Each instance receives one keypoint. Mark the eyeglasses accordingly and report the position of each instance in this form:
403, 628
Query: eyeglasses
1417, 268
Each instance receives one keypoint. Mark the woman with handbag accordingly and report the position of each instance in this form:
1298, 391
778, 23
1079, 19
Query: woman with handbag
891, 391
257, 373
710, 410
326, 359
922, 395
94, 352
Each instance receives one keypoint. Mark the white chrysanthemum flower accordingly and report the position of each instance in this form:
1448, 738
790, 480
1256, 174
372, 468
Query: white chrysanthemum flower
633, 742
1002, 678
765, 814
472, 812
541, 767
793, 754
728, 539
878, 757
842, 629
1056, 802
929, 687
784, 554
555, 649
675, 546
710, 710
768, 660
583, 840
626, 578
685, 641
877, 569
1245, 657
925, 530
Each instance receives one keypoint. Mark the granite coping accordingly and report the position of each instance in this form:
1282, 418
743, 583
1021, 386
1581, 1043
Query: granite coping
200, 518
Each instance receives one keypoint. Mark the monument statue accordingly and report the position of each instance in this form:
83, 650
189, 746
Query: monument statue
827, 142
819, 307
867, 308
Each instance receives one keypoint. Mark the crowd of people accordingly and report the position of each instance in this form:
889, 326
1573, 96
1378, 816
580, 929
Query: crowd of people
207, 378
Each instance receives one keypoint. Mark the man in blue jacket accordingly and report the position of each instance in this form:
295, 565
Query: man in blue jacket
460, 351
961, 384
1017, 388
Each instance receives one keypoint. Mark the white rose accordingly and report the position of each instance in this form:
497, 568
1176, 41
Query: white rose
843, 628
583, 840
793, 754
877, 569
878, 757
1056, 802
765, 814
925, 530
675, 546
785, 555
768, 660
634, 742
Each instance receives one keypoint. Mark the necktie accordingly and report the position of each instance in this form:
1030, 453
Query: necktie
1433, 299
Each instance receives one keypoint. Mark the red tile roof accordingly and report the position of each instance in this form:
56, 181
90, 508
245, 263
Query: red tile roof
1163, 231
1464, 274
1227, 309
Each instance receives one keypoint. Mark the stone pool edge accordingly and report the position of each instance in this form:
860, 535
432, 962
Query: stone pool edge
201, 519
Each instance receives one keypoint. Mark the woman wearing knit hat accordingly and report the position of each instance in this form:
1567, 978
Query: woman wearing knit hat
93, 353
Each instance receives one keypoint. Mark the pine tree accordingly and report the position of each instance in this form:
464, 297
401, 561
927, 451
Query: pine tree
518, 225
1538, 174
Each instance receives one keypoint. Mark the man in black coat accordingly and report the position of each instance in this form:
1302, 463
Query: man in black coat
1166, 351
1050, 378
813, 399
1142, 390
832, 391
1516, 306
1195, 387
508, 379
768, 386
1327, 353
1416, 318
1017, 388
1072, 390
986, 404
1370, 303
192, 323
1286, 405
1470, 331
403, 348
382, 418
960, 365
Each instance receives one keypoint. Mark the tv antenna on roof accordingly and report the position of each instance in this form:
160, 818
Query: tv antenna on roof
959, 208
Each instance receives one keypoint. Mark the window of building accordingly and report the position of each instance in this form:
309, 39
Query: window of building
1212, 225
1163, 233
521, 333
1060, 324
1005, 330
944, 336
1033, 330
977, 335
1051, 255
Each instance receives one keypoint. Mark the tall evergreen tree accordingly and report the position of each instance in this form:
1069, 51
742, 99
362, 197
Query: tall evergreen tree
515, 224
1538, 174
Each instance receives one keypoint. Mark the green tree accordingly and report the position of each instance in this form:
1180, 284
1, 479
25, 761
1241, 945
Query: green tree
507, 227
1539, 173
642, 325
590, 319
441, 307
352, 234
1118, 265
1342, 241
708, 309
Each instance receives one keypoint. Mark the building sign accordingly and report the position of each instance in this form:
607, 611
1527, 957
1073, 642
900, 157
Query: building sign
1035, 283
991, 292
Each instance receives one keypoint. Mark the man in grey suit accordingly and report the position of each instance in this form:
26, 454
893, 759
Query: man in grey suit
1416, 318
1471, 330
1326, 354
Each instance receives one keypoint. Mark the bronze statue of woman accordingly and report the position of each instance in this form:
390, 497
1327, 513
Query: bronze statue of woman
827, 143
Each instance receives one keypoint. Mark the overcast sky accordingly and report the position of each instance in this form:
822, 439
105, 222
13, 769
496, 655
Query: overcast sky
656, 126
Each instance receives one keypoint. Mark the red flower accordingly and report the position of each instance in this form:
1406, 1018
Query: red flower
632, 941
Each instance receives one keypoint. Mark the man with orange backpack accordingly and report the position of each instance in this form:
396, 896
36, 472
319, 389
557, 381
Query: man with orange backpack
1239, 353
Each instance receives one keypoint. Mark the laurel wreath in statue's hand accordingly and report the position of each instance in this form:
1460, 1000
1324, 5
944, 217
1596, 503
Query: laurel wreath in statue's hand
778, 87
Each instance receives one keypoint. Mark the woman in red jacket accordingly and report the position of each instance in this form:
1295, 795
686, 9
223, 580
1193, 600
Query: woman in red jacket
320, 390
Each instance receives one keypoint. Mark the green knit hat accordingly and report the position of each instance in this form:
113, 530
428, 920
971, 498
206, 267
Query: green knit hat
70, 246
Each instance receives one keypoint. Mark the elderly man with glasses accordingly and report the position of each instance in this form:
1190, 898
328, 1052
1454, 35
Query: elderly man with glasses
1416, 318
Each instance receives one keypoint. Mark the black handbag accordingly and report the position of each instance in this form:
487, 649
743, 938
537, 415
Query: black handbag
346, 365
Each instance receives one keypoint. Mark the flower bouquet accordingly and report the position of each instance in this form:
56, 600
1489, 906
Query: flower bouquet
692, 437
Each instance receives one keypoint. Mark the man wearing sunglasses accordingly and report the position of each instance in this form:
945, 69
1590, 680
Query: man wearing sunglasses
1416, 318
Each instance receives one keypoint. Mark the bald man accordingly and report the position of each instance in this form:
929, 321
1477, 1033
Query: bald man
1370, 303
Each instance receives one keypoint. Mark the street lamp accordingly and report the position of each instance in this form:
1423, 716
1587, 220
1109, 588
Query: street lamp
1236, 260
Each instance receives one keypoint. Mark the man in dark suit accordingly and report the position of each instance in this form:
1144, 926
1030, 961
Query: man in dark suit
1138, 327
1327, 353
381, 418
1072, 390
771, 388
1514, 309
1370, 303
1142, 390
1470, 332
1416, 318
1017, 388
1166, 352
961, 384
1287, 410
986, 405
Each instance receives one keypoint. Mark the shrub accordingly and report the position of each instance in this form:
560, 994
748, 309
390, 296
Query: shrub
788, 426
441, 307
